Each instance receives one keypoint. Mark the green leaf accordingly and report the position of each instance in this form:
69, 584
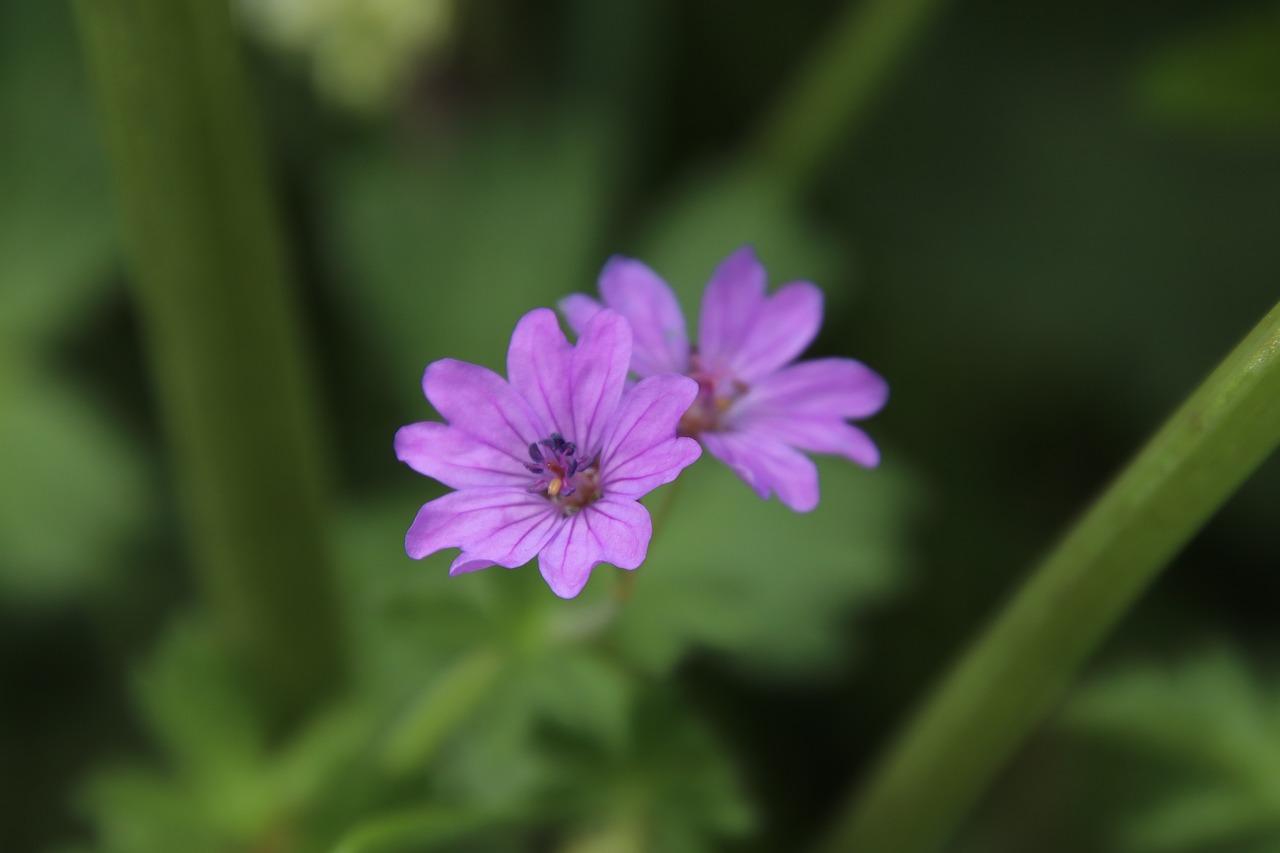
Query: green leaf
75, 487
56, 239
704, 219
673, 789
1212, 726
448, 245
771, 588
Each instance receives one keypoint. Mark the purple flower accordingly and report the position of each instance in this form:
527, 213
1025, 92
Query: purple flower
551, 462
756, 409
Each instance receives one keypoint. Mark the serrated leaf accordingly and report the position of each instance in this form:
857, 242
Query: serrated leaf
1210, 723
771, 588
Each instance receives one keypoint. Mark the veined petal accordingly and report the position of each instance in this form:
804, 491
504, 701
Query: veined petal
767, 466
636, 292
598, 374
784, 328
467, 563
578, 308
641, 451
456, 457
817, 435
608, 531
834, 388
731, 305
538, 365
479, 402
504, 526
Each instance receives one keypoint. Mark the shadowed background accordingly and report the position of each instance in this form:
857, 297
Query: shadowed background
1043, 226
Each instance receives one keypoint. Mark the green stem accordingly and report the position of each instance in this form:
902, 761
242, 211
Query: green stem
218, 312
1021, 665
833, 91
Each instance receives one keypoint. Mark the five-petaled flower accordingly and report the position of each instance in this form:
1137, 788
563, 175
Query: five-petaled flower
755, 410
552, 461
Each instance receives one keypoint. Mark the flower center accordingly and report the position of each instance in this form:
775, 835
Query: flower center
717, 392
562, 476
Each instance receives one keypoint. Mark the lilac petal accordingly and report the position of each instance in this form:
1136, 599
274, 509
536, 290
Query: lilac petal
641, 451
608, 531
784, 328
767, 466
598, 374
818, 435
833, 388
538, 365
578, 309
644, 299
731, 306
467, 563
456, 458
502, 525
479, 402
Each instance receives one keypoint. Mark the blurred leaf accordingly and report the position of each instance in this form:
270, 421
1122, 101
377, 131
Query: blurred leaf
74, 487
419, 830
673, 790
200, 712
1224, 75
1216, 728
704, 219
449, 244
445, 703
771, 588
56, 237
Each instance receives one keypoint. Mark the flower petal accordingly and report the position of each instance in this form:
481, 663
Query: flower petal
642, 451
467, 563
577, 309
818, 435
538, 365
731, 305
783, 329
502, 525
479, 402
616, 532
833, 388
767, 466
456, 457
598, 374
644, 299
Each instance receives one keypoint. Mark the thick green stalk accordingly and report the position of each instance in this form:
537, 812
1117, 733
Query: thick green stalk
836, 86
1010, 679
221, 325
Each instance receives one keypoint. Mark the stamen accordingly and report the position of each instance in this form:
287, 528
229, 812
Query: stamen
562, 476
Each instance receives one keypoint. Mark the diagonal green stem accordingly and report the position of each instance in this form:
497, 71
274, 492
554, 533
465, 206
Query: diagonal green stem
221, 325
1015, 672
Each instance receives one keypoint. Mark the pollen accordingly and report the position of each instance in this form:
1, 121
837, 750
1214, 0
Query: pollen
553, 488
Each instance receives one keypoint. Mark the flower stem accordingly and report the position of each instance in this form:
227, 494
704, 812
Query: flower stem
834, 90
1015, 672
221, 326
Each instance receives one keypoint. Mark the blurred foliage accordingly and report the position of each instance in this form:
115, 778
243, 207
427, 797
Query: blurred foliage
1222, 77
1212, 726
362, 53
1024, 237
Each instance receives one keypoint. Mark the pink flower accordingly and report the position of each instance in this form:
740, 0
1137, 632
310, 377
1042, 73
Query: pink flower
550, 462
756, 409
